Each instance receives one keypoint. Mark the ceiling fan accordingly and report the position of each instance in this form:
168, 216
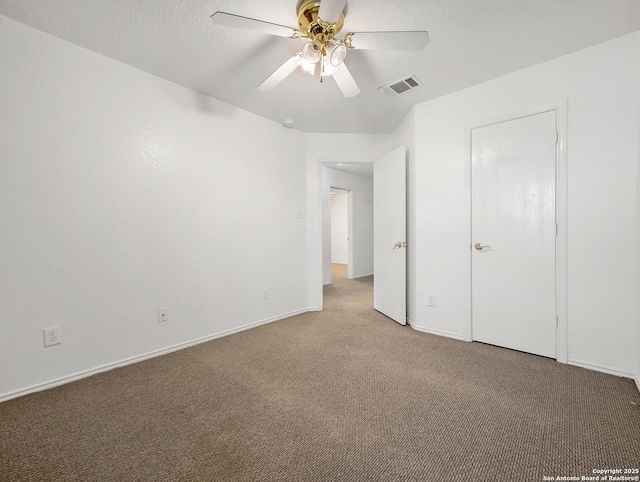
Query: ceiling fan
319, 22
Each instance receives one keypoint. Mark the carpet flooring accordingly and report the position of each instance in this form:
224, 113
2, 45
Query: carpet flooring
340, 395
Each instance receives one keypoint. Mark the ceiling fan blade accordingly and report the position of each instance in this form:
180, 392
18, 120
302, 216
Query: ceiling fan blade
281, 73
345, 81
330, 10
415, 41
231, 20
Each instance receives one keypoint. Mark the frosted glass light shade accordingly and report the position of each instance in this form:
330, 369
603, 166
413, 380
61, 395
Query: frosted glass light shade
336, 53
308, 67
311, 53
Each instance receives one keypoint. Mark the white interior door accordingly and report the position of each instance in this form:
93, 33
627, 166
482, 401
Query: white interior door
513, 234
389, 236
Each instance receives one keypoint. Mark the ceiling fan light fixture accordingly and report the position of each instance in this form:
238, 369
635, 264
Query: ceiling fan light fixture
336, 53
307, 66
311, 53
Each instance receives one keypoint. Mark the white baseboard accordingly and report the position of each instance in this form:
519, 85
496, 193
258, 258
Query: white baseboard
637, 379
146, 356
602, 369
447, 334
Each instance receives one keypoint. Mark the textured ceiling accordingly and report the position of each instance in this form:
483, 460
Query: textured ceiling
471, 41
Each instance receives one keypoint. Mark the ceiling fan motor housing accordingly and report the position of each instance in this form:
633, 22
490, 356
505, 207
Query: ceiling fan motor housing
314, 27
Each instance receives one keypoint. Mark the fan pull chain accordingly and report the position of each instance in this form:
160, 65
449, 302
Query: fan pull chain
323, 52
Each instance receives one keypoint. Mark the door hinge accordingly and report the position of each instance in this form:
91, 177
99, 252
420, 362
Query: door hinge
557, 137
556, 229
556, 321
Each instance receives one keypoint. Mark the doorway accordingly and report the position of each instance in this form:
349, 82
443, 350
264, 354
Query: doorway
357, 182
340, 226
514, 231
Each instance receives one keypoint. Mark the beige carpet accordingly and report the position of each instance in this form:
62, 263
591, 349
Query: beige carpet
342, 395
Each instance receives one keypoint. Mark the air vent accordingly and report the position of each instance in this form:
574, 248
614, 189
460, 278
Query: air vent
402, 86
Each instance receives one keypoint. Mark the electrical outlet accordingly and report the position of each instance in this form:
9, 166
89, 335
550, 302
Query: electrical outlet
431, 300
51, 336
163, 314
265, 293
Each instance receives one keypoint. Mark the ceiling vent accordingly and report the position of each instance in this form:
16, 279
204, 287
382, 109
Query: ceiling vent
402, 86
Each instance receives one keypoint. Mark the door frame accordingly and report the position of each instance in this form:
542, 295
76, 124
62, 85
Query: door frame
315, 230
561, 217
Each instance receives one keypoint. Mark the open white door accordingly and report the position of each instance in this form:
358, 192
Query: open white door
389, 236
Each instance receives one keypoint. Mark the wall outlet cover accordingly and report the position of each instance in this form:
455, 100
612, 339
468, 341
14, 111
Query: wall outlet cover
52, 336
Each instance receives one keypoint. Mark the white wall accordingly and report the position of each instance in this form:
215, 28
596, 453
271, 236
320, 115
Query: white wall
405, 135
122, 193
362, 221
601, 87
339, 229
321, 148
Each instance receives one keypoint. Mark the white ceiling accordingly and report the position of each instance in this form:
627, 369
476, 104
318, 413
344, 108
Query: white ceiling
364, 169
471, 42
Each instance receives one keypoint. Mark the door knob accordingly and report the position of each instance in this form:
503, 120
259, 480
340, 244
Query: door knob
399, 245
480, 246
